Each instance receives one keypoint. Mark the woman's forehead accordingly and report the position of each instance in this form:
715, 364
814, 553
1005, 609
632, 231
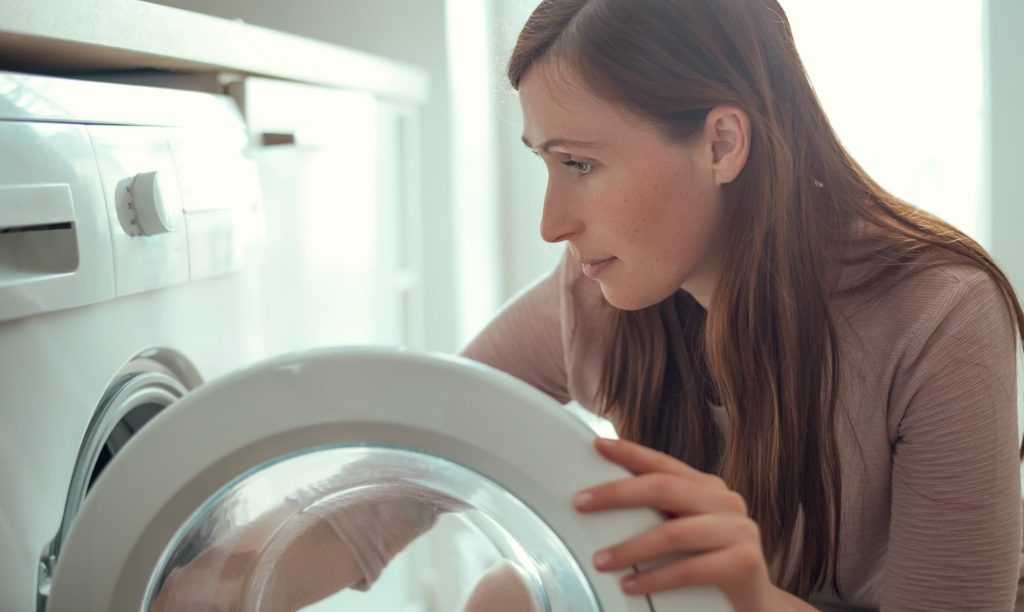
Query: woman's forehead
557, 82
557, 104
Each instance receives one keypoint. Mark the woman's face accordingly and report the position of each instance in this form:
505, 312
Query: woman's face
619, 192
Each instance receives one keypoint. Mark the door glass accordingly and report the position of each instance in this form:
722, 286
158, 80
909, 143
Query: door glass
367, 529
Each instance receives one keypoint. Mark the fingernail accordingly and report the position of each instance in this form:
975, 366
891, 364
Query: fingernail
582, 498
628, 583
602, 559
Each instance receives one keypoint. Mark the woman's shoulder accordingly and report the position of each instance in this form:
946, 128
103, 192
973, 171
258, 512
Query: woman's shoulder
939, 293
930, 281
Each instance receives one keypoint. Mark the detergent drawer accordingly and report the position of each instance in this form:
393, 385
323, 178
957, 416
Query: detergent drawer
54, 239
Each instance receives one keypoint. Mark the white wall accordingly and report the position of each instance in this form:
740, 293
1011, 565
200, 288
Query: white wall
523, 178
1004, 130
1004, 81
475, 165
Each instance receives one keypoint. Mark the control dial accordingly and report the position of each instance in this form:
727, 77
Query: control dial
150, 210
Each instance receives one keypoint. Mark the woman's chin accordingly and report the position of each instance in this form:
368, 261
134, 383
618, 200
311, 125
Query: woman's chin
628, 300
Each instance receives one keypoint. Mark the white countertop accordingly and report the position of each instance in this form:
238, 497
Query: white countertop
78, 36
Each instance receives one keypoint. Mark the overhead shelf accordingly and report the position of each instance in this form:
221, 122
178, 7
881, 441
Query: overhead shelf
95, 37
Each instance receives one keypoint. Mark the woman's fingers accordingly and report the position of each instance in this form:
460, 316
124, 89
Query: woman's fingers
727, 568
708, 524
666, 492
695, 534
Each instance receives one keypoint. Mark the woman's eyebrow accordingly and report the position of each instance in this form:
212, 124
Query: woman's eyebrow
561, 142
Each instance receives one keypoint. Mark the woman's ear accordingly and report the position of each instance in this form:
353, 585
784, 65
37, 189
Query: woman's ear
727, 128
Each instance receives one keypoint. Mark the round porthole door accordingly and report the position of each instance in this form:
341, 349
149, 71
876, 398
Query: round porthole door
354, 479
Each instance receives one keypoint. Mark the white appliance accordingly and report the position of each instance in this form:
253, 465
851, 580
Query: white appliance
236, 448
128, 223
126, 270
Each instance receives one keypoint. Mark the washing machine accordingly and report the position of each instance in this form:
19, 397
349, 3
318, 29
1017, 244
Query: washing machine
130, 232
404, 481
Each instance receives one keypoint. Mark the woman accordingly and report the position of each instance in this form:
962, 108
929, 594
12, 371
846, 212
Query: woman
814, 381
743, 300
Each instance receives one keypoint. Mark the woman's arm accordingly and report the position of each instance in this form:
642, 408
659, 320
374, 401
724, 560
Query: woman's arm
301, 562
305, 549
955, 531
274, 562
527, 339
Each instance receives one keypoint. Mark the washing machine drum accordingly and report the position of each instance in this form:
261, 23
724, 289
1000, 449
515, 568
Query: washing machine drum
355, 480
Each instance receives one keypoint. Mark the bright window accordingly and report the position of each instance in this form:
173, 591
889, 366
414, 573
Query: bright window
902, 85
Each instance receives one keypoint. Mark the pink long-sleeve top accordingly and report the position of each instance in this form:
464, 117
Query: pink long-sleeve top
931, 508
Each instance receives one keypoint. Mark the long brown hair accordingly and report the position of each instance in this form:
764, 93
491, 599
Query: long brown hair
767, 346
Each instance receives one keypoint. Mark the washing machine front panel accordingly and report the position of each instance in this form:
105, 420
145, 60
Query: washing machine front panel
459, 452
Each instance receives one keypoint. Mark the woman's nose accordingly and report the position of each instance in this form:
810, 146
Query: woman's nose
558, 221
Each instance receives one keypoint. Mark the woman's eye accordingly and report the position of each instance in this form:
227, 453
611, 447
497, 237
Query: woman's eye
582, 166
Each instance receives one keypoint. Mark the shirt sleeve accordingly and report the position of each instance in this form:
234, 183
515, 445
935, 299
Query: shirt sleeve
376, 508
955, 531
527, 339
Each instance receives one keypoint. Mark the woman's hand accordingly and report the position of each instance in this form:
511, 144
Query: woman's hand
503, 587
214, 581
706, 522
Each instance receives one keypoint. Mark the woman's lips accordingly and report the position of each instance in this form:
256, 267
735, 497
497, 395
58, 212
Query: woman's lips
594, 269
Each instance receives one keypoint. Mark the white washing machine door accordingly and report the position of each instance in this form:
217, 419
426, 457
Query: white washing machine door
458, 474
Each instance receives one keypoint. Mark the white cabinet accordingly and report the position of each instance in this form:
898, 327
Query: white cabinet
338, 176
